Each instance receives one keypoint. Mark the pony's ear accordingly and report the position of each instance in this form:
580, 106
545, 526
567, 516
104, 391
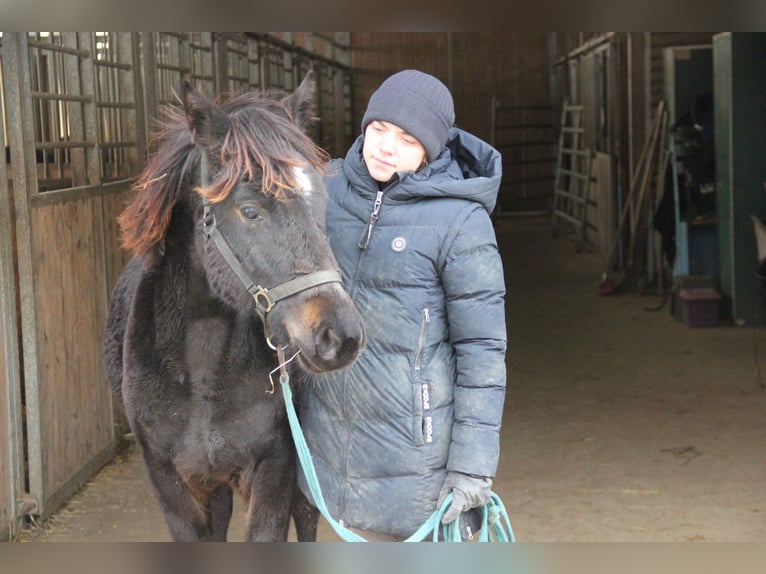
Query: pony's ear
207, 123
301, 102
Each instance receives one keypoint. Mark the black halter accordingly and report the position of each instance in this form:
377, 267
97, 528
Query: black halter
265, 299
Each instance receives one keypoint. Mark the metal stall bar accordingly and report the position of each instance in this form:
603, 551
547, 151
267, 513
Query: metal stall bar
12, 498
24, 177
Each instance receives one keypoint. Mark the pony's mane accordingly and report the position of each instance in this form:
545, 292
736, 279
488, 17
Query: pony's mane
262, 142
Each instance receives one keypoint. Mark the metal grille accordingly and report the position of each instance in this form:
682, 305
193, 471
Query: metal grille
243, 67
278, 75
327, 106
83, 108
201, 59
116, 105
62, 136
179, 56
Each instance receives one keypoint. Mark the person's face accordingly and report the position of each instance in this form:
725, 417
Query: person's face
388, 149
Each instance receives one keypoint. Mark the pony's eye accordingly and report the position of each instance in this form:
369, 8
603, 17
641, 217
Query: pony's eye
248, 212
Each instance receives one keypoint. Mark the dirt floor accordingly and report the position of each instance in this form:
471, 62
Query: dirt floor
621, 424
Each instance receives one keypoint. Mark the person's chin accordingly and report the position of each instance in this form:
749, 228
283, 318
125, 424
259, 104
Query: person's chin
382, 175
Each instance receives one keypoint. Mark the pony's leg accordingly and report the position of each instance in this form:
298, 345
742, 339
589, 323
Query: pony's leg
221, 503
268, 513
305, 515
187, 517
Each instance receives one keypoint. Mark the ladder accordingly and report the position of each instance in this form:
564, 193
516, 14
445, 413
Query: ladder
571, 190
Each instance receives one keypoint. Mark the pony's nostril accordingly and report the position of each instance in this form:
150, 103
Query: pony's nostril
328, 343
337, 344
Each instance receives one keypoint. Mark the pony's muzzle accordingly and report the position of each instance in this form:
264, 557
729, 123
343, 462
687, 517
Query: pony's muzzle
324, 325
336, 344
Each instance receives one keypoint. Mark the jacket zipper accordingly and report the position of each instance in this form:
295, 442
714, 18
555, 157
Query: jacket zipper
364, 239
422, 339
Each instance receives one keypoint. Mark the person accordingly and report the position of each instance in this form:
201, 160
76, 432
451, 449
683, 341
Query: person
418, 415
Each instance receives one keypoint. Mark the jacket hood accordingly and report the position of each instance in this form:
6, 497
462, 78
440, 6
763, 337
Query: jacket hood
467, 168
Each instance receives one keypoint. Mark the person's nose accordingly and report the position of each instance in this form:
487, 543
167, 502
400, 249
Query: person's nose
387, 144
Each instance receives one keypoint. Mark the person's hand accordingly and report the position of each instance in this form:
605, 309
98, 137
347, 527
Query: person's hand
467, 492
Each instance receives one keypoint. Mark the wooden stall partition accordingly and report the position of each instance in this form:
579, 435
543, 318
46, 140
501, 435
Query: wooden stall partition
71, 402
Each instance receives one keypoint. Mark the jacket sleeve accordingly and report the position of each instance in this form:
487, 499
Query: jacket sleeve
472, 276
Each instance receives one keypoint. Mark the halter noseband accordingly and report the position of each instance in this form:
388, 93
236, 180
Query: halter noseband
264, 298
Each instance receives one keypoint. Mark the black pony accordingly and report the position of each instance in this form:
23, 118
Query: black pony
232, 276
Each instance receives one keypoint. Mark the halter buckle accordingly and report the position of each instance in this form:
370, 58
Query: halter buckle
263, 303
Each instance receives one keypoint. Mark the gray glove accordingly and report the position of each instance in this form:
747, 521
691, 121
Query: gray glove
467, 492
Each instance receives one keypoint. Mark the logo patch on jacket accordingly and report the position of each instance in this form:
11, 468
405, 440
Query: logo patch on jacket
398, 244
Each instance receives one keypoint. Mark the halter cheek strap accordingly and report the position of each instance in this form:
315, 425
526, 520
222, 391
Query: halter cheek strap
264, 298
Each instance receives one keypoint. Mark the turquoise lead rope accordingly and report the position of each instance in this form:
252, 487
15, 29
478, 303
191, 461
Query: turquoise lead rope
495, 526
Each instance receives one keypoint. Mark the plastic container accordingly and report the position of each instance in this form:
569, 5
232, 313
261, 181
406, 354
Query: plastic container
701, 307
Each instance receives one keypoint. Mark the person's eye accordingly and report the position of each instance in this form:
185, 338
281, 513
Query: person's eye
248, 212
408, 141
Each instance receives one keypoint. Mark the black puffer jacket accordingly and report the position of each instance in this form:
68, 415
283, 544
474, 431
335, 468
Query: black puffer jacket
426, 395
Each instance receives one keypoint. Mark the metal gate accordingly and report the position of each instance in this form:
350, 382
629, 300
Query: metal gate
77, 108
74, 140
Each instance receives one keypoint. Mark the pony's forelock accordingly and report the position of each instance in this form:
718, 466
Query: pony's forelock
261, 142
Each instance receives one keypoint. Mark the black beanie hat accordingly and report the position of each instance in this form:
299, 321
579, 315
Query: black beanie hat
419, 104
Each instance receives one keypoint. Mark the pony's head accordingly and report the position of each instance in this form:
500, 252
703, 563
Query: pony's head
238, 184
